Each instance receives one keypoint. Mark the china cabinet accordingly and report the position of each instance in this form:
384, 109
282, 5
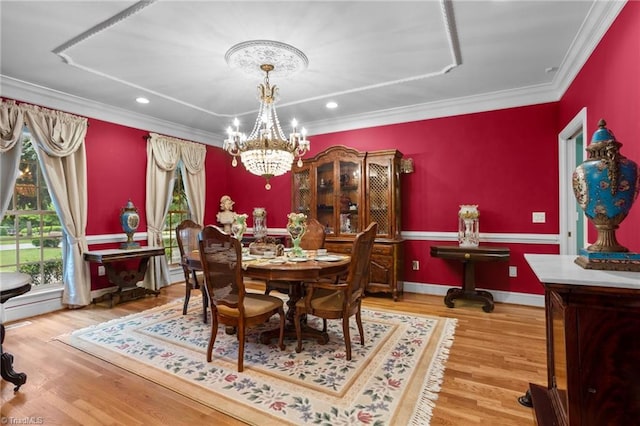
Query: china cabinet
345, 190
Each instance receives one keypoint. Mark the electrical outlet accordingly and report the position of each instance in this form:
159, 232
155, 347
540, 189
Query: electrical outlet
513, 271
415, 265
101, 271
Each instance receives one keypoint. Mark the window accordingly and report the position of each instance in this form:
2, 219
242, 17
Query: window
178, 211
30, 232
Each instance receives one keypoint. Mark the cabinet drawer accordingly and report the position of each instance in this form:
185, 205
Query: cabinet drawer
384, 261
382, 249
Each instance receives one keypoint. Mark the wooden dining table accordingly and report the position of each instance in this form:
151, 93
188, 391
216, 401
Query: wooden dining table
296, 273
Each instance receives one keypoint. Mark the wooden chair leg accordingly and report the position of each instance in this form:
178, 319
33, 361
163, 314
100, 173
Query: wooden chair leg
360, 328
282, 323
187, 296
347, 336
296, 321
240, 348
205, 305
212, 337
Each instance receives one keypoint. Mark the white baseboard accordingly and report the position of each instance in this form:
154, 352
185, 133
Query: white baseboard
32, 304
498, 296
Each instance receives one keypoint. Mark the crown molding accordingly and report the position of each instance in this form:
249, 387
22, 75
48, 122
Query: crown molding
27, 92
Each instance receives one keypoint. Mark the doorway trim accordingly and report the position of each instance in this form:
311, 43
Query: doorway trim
566, 164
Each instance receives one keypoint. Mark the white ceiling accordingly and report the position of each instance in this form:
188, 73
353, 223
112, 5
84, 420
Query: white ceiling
381, 61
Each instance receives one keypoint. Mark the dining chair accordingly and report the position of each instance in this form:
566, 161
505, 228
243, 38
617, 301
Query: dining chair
341, 300
221, 257
312, 239
187, 236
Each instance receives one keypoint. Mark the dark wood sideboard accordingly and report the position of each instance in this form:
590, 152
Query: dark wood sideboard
593, 345
122, 274
469, 256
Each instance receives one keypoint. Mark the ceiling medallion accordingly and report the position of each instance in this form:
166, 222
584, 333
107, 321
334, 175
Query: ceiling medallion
249, 56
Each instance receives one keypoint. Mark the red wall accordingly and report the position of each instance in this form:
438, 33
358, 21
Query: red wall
609, 86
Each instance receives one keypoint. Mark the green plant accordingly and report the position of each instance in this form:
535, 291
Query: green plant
51, 272
47, 242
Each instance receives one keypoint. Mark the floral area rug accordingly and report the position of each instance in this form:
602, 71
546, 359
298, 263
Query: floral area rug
392, 380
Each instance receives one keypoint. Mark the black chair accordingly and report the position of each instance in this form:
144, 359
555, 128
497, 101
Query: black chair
12, 284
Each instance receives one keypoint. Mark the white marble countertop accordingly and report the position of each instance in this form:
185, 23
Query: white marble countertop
561, 269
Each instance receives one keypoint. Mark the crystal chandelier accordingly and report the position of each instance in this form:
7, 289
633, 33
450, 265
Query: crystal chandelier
266, 151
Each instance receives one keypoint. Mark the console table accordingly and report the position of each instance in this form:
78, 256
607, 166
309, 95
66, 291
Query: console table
469, 256
593, 324
11, 284
118, 271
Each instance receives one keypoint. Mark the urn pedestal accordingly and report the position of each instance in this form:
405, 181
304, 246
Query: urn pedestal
605, 186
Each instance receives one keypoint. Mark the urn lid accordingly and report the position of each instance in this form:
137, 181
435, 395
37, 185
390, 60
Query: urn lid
602, 134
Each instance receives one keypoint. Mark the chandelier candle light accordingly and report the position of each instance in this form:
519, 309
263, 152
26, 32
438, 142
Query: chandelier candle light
266, 151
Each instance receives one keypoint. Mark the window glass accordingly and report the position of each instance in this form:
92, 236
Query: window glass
30, 232
178, 211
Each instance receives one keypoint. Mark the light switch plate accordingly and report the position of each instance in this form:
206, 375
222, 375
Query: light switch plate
513, 271
539, 217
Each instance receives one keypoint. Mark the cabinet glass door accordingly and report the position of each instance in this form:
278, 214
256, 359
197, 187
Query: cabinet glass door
379, 208
349, 197
325, 212
302, 191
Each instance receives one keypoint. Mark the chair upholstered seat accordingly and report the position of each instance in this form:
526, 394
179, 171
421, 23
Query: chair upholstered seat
254, 305
325, 300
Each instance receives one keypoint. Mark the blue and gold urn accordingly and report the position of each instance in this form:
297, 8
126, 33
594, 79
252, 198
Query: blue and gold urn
605, 186
129, 219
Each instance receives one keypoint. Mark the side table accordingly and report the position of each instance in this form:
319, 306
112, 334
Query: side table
125, 278
11, 284
469, 256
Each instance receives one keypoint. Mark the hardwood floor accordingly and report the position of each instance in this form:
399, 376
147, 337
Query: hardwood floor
492, 360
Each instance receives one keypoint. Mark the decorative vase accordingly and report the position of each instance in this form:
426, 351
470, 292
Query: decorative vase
296, 227
130, 220
468, 225
239, 226
259, 223
605, 185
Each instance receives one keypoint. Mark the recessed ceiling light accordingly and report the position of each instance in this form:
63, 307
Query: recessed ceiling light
332, 105
142, 100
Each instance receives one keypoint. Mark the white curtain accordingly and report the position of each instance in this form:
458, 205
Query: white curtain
193, 176
59, 144
11, 123
163, 155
